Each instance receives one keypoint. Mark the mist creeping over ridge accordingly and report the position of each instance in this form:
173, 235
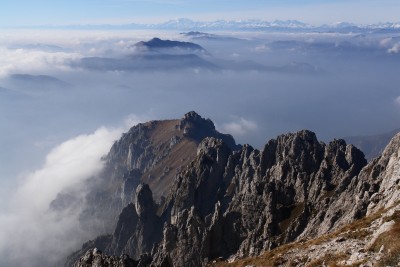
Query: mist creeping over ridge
66, 96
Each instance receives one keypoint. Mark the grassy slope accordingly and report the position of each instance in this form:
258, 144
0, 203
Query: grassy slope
295, 254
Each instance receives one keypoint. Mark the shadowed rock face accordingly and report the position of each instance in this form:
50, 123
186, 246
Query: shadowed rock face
95, 257
251, 200
151, 153
138, 226
229, 202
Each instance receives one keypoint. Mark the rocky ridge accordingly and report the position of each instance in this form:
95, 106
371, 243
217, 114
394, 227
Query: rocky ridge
370, 241
233, 203
151, 153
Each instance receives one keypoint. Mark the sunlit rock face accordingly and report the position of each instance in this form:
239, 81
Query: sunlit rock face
231, 202
152, 153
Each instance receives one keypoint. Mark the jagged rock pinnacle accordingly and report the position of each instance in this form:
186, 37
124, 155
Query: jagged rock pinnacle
237, 202
144, 200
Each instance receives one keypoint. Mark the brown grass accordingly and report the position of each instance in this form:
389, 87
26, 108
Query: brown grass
390, 240
179, 156
331, 260
271, 258
275, 258
357, 234
355, 230
361, 224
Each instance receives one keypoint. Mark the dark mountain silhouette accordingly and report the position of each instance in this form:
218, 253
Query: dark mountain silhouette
157, 43
156, 54
162, 62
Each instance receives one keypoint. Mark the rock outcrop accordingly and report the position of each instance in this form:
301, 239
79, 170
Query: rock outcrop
242, 203
230, 203
384, 173
151, 153
95, 258
138, 228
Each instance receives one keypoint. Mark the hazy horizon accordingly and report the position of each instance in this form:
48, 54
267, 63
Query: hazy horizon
25, 12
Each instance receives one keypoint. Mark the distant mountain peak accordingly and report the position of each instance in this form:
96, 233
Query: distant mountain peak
157, 43
239, 25
195, 33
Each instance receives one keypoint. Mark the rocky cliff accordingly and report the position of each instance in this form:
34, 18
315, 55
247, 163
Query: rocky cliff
151, 153
227, 203
373, 240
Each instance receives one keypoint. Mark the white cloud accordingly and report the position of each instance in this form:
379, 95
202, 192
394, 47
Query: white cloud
133, 119
67, 164
31, 61
395, 49
239, 127
397, 101
26, 51
262, 48
29, 227
37, 52
386, 42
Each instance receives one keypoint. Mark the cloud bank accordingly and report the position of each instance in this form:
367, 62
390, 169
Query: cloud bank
32, 61
395, 49
30, 228
239, 127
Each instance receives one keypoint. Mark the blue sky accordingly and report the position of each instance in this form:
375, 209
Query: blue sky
38, 12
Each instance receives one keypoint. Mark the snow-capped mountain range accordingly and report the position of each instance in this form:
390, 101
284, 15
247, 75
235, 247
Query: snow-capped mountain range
239, 25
